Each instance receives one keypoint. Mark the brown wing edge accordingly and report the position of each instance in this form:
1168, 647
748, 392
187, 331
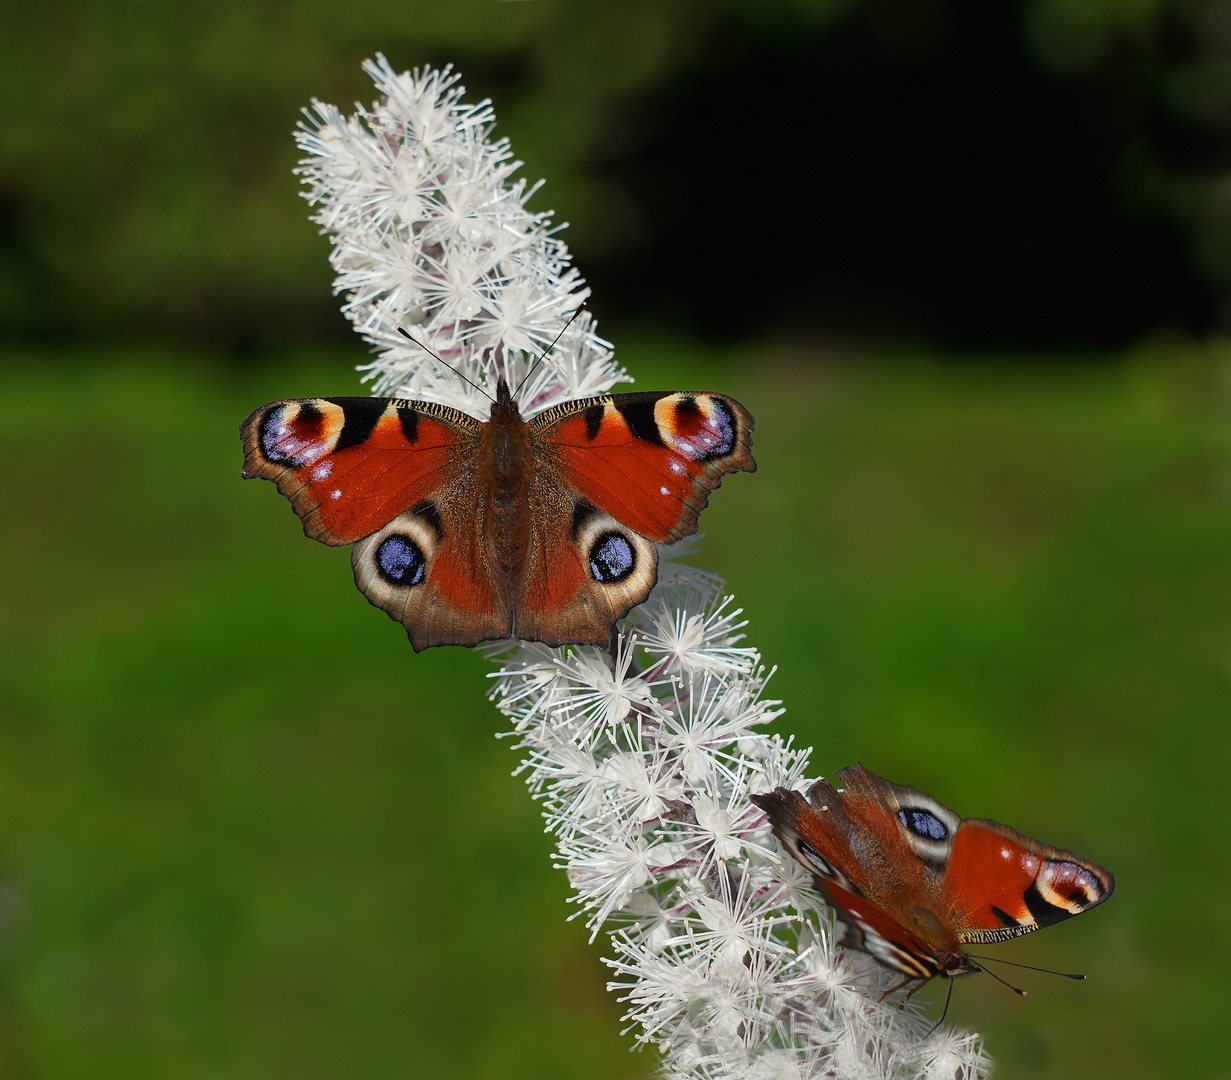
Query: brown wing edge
284, 477
738, 459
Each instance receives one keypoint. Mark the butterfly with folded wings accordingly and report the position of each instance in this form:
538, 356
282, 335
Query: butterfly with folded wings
914, 883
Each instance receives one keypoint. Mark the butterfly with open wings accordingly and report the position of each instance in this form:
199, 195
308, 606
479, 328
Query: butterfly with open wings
913, 882
466, 531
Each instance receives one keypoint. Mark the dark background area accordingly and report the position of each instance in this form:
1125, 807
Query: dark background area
912, 181
967, 262
976, 175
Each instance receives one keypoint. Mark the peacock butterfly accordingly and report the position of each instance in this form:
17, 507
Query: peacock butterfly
913, 882
467, 531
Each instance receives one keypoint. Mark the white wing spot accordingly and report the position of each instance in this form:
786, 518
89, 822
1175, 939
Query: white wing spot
678, 467
322, 470
663, 491
336, 493
1005, 853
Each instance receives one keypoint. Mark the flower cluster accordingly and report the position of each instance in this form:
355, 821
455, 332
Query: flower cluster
643, 761
431, 233
643, 756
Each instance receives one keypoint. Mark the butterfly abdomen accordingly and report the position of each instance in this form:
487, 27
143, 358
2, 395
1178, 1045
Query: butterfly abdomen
506, 472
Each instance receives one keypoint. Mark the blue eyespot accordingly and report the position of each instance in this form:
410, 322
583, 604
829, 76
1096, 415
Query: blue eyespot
400, 560
612, 558
922, 823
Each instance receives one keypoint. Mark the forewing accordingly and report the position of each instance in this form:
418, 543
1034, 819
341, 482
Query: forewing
351, 465
649, 460
1003, 884
987, 881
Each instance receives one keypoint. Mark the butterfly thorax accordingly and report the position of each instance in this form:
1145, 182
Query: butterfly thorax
937, 946
506, 470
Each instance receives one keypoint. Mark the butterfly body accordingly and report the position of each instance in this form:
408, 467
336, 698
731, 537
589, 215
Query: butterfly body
466, 531
914, 883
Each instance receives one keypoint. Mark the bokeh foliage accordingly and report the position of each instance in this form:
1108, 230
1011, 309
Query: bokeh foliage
1160, 71
245, 831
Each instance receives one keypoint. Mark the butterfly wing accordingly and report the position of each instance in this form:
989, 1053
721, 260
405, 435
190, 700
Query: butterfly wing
396, 478
585, 571
351, 465
934, 881
429, 569
649, 460
988, 882
403, 481
864, 875
1002, 884
617, 474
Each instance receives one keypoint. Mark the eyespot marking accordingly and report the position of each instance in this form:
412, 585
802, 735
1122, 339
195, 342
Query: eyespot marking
698, 429
612, 559
400, 561
688, 417
582, 512
1068, 886
923, 823
293, 434
430, 513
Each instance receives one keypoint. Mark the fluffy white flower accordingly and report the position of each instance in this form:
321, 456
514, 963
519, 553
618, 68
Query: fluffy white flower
431, 233
643, 758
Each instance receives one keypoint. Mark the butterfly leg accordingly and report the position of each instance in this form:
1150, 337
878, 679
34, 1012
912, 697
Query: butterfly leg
944, 1012
898, 986
903, 983
922, 984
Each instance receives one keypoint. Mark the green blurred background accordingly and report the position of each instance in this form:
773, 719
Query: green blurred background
966, 261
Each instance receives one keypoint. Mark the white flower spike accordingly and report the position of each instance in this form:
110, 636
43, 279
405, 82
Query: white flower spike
643, 758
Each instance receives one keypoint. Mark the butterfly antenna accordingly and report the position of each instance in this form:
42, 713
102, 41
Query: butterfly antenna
1016, 989
549, 348
441, 360
1028, 967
